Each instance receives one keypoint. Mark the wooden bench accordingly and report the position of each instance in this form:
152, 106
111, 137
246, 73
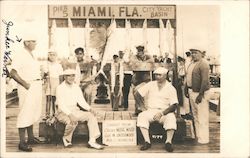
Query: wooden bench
157, 132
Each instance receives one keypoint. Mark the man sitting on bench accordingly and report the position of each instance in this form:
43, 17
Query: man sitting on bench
162, 102
68, 96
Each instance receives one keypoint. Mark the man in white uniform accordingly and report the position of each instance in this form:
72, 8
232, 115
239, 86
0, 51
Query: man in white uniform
162, 102
68, 96
26, 72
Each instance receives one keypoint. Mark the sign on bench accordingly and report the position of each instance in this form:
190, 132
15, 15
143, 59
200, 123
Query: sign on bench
119, 132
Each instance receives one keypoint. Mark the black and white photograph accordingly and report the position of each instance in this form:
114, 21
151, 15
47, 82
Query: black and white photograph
124, 79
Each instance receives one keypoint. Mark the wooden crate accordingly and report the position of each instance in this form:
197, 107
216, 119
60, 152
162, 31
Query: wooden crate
158, 134
156, 130
56, 131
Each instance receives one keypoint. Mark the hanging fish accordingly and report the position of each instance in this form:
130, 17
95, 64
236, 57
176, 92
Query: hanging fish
53, 35
108, 47
145, 39
87, 36
97, 40
161, 37
127, 51
170, 38
70, 37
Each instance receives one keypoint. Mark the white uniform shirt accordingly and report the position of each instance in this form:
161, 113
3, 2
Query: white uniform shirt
78, 75
55, 69
67, 97
159, 99
27, 67
188, 61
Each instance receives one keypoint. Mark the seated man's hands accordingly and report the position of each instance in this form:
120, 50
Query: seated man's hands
158, 116
93, 111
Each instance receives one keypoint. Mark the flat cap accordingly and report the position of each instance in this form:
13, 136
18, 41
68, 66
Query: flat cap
161, 70
29, 37
69, 72
51, 50
197, 50
140, 48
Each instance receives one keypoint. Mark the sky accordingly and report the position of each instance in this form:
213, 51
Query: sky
198, 26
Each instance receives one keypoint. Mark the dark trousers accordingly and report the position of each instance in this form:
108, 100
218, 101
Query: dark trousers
115, 97
126, 88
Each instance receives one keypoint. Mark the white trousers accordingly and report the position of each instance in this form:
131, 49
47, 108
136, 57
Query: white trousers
146, 117
201, 116
82, 116
30, 104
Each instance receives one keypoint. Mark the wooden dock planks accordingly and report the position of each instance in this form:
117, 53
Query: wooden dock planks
79, 144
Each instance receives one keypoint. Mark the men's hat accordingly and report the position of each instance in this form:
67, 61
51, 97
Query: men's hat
69, 72
179, 58
79, 50
198, 50
188, 53
116, 54
161, 70
120, 52
51, 50
29, 37
140, 48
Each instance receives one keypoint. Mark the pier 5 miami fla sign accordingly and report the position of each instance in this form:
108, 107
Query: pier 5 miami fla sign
112, 11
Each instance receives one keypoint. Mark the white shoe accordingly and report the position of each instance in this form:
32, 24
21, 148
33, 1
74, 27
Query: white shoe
95, 145
66, 142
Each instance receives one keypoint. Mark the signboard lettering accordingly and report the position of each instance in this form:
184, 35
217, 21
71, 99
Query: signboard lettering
119, 132
112, 11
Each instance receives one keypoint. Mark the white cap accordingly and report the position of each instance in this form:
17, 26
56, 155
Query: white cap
69, 72
51, 50
29, 37
116, 53
161, 70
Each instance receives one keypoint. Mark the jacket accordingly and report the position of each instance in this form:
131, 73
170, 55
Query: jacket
200, 77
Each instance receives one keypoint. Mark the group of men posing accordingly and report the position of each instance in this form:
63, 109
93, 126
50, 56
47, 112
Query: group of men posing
160, 95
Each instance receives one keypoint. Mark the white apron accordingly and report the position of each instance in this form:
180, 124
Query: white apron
30, 104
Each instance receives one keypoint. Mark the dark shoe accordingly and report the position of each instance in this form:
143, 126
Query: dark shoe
35, 141
24, 147
145, 146
137, 112
169, 147
125, 109
187, 117
115, 109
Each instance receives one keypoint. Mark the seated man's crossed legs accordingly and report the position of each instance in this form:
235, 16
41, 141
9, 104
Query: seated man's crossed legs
81, 116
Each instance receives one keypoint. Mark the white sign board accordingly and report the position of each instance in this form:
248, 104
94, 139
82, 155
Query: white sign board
119, 132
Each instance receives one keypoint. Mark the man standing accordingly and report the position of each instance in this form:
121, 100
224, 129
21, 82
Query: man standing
116, 85
126, 80
162, 102
140, 77
187, 60
68, 96
83, 76
26, 72
196, 88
